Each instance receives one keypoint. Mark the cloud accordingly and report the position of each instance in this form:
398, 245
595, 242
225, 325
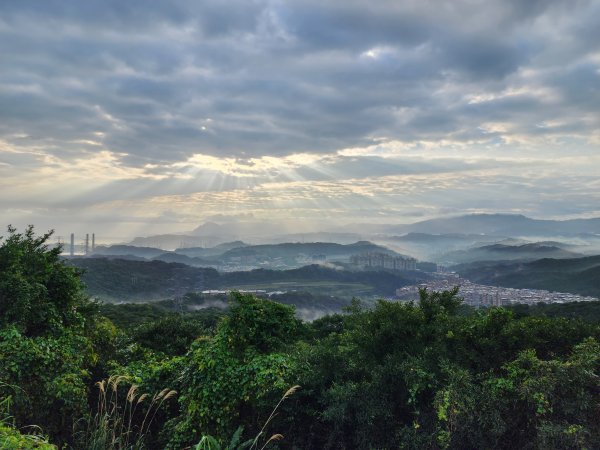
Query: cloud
150, 100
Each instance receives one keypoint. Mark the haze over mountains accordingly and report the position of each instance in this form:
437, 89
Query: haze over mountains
238, 253
501, 225
495, 249
430, 239
503, 252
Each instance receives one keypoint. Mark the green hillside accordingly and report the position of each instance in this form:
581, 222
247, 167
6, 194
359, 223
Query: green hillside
294, 249
126, 280
279, 256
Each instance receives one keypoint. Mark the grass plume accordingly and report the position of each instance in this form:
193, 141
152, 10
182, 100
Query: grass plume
120, 422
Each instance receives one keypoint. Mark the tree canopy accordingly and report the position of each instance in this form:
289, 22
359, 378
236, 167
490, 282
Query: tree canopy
39, 294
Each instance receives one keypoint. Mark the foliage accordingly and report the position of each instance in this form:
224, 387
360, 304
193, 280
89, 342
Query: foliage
232, 376
531, 403
121, 422
172, 334
13, 439
588, 311
45, 328
421, 376
49, 371
38, 293
130, 315
210, 443
126, 280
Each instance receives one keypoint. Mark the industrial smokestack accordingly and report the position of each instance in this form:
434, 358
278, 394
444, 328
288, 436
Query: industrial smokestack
72, 249
93, 242
87, 243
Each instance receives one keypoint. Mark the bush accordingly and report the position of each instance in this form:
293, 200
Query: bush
234, 377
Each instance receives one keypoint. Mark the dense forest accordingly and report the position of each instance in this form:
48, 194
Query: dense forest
428, 374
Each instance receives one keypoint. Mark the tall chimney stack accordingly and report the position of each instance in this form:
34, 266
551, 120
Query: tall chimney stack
72, 249
93, 242
87, 243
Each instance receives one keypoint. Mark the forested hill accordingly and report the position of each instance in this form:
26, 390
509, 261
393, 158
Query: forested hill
502, 252
382, 282
128, 250
330, 249
280, 256
126, 280
576, 275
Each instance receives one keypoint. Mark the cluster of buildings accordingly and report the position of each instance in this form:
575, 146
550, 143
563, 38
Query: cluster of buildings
384, 261
482, 295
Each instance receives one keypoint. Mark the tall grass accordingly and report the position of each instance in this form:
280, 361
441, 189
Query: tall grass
121, 422
210, 443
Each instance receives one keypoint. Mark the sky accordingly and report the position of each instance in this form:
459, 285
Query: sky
133, 118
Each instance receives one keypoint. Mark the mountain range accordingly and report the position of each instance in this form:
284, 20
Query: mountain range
286, 255
490, 225
503, 252
496, 225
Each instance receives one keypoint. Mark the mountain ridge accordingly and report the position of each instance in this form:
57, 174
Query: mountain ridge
500, 224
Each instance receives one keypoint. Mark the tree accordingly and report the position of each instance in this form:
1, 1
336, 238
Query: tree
39, 294
233, 377
45, 324
171, 335
435, 303
531, 403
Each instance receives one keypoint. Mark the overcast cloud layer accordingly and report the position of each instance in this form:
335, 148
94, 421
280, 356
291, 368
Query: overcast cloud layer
138, 117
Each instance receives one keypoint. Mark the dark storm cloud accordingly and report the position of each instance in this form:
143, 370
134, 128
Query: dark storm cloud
160, 81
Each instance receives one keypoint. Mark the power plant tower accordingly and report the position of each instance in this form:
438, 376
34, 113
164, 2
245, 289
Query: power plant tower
72, 248
87, 243
93, 242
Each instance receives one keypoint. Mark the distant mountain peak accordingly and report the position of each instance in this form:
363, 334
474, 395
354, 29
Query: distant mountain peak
504, 225
207, 227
